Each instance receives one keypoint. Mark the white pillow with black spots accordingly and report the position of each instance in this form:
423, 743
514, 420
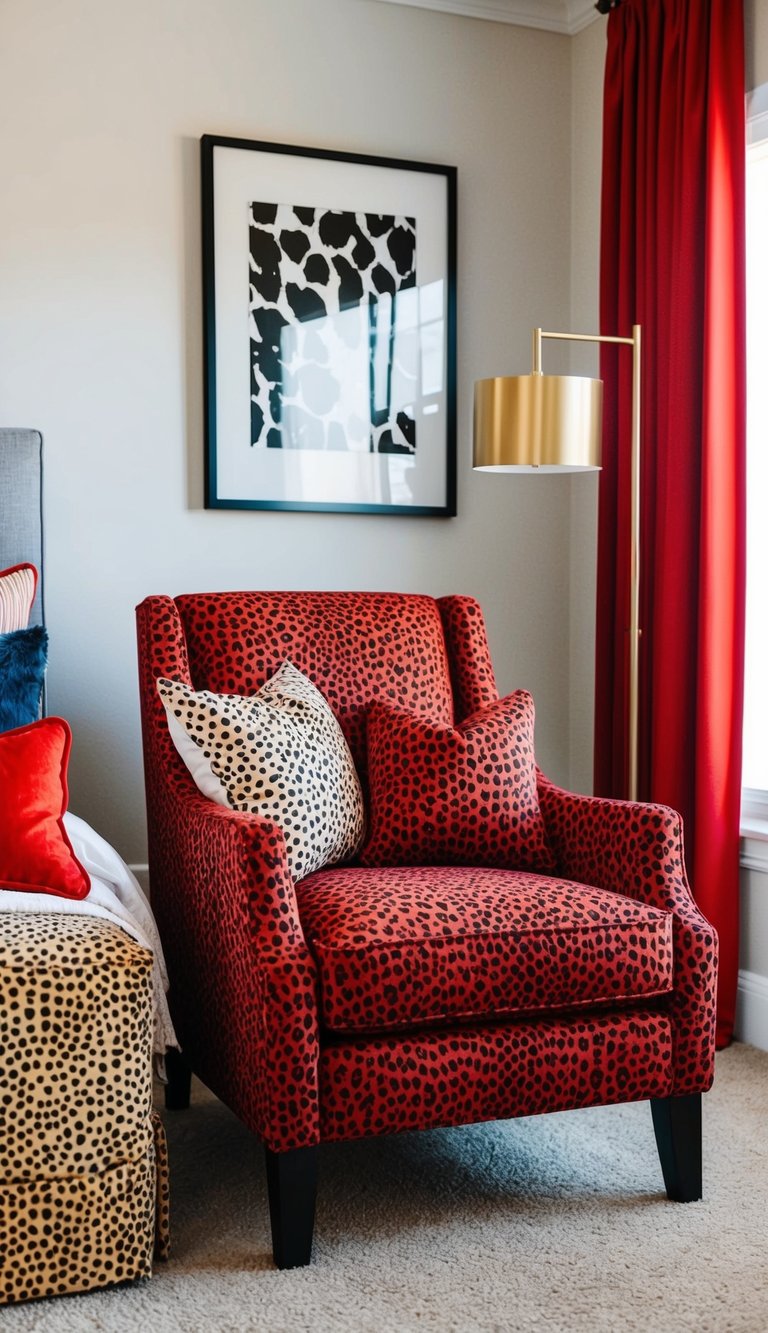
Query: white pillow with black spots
279, 753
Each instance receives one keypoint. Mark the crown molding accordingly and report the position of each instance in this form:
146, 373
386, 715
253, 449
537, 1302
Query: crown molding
564, 16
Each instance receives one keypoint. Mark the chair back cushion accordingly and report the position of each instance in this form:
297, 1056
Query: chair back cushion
355, 647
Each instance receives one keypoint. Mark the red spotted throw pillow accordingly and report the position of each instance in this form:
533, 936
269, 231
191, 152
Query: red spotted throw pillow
36, 855
455, 796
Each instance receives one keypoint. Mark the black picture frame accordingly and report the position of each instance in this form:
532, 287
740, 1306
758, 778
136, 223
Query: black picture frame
329, 280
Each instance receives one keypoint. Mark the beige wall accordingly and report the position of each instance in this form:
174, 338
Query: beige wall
100, 321
756, 42
587, 59
103, 104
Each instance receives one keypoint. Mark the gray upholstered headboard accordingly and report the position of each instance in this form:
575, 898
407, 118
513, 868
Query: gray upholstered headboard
21, 506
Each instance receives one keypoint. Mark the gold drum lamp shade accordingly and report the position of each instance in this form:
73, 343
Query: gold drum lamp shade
548, 422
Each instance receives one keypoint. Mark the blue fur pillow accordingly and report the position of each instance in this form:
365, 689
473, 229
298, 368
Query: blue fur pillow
23, 658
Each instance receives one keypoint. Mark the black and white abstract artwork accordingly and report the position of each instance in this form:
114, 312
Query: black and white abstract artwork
334, 330
329, 330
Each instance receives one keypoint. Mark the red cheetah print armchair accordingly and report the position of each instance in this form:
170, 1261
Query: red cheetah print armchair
368, 1000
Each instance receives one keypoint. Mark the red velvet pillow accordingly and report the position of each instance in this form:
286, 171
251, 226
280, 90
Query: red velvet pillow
35, 852
455, 796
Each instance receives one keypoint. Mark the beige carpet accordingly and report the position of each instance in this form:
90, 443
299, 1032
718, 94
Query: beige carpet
555, 1223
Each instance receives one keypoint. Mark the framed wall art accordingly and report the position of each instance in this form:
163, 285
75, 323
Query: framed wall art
329, 306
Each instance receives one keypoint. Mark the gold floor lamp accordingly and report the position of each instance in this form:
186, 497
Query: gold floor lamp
553, 423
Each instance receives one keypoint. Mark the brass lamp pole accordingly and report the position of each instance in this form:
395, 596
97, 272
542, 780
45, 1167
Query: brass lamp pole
553, 423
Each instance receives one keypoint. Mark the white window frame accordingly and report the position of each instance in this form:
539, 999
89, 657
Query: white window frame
754, 803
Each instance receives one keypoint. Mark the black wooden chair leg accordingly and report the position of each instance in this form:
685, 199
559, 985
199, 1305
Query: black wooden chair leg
292, 1186
179, 1079
677, 1125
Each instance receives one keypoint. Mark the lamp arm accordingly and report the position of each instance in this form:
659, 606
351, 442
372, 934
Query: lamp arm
538, 334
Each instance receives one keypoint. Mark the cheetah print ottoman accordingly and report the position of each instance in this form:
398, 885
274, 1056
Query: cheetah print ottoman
83, 1168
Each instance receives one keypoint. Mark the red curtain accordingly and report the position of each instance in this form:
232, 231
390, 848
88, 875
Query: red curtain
672, 260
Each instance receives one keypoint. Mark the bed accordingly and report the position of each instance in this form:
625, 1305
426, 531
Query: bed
83, 1171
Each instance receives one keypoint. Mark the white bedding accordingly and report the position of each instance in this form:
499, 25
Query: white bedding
116, 896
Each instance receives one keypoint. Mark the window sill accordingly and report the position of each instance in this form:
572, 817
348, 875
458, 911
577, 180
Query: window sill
754, 826
754, 814
754, 844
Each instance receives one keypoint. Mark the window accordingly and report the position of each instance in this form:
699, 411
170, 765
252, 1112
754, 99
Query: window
755, 764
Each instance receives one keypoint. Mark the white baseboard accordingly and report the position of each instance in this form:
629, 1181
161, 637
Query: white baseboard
752, 1009
141, 872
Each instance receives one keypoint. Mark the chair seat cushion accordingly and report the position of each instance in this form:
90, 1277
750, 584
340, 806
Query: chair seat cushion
403, 946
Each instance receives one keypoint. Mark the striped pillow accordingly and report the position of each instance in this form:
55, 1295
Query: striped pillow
18, 586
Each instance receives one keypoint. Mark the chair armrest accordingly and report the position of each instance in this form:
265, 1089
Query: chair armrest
636, 849
627, 846
244, 984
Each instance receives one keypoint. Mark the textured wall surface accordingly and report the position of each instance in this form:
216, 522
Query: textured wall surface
100, 320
